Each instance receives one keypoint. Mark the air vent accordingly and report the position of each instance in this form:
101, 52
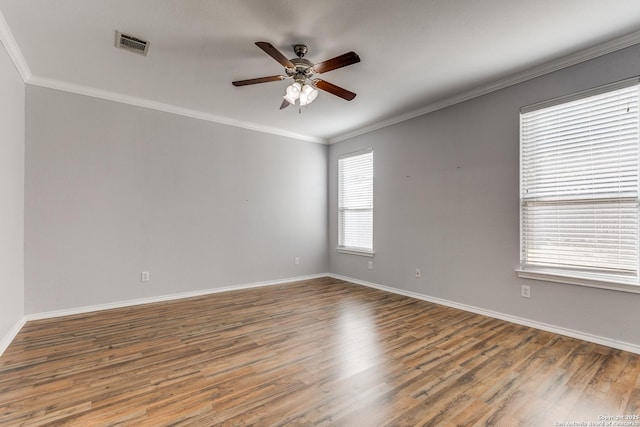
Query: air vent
132, 44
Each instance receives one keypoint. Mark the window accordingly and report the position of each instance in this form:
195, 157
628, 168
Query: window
355, 202
579, 188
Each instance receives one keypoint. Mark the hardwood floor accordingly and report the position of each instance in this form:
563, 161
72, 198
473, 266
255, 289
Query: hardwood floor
316, 353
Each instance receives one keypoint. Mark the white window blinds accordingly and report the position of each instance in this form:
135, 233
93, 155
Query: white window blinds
579, 183
355, 201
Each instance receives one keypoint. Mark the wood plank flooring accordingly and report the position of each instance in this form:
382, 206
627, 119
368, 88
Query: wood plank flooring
317, 353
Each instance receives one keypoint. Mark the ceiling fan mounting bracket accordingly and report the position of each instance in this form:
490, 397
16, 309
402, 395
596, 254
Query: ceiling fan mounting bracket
300, 50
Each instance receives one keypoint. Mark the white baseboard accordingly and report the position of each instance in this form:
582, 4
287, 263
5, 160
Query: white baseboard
621, 345
633, 348
7, 339
128, 303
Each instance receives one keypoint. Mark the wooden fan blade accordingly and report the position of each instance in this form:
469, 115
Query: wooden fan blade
258, 80
333, 89
337, 62
275, 54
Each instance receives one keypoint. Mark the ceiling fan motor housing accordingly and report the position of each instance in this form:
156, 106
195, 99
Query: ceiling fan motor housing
302, 70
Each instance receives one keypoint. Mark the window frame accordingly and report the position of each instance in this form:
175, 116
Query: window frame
616, 282
369, 252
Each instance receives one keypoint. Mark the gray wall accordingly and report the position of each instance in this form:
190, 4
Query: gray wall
446, 201
11, 195
113, 190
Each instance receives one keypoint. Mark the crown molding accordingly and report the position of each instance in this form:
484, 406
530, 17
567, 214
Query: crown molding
10, 44
546, 68
14, 52
167, 108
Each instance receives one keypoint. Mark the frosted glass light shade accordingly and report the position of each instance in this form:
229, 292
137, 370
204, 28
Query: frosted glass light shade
293, 93
308, 94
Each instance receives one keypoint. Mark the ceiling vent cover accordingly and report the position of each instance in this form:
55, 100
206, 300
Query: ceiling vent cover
132, 44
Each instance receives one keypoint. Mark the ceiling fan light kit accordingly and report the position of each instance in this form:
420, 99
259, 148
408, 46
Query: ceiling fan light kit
303, 72
304, 93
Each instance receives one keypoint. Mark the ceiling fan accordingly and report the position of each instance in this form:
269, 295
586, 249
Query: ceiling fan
303, 89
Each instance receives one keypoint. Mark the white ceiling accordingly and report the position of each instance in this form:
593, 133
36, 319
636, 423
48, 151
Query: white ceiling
416, 54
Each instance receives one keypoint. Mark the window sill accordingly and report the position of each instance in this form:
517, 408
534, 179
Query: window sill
356, 252
602, 282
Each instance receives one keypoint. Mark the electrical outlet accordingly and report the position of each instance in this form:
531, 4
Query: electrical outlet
370, 265
297, 260
525, 291
418, 273
144, 276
